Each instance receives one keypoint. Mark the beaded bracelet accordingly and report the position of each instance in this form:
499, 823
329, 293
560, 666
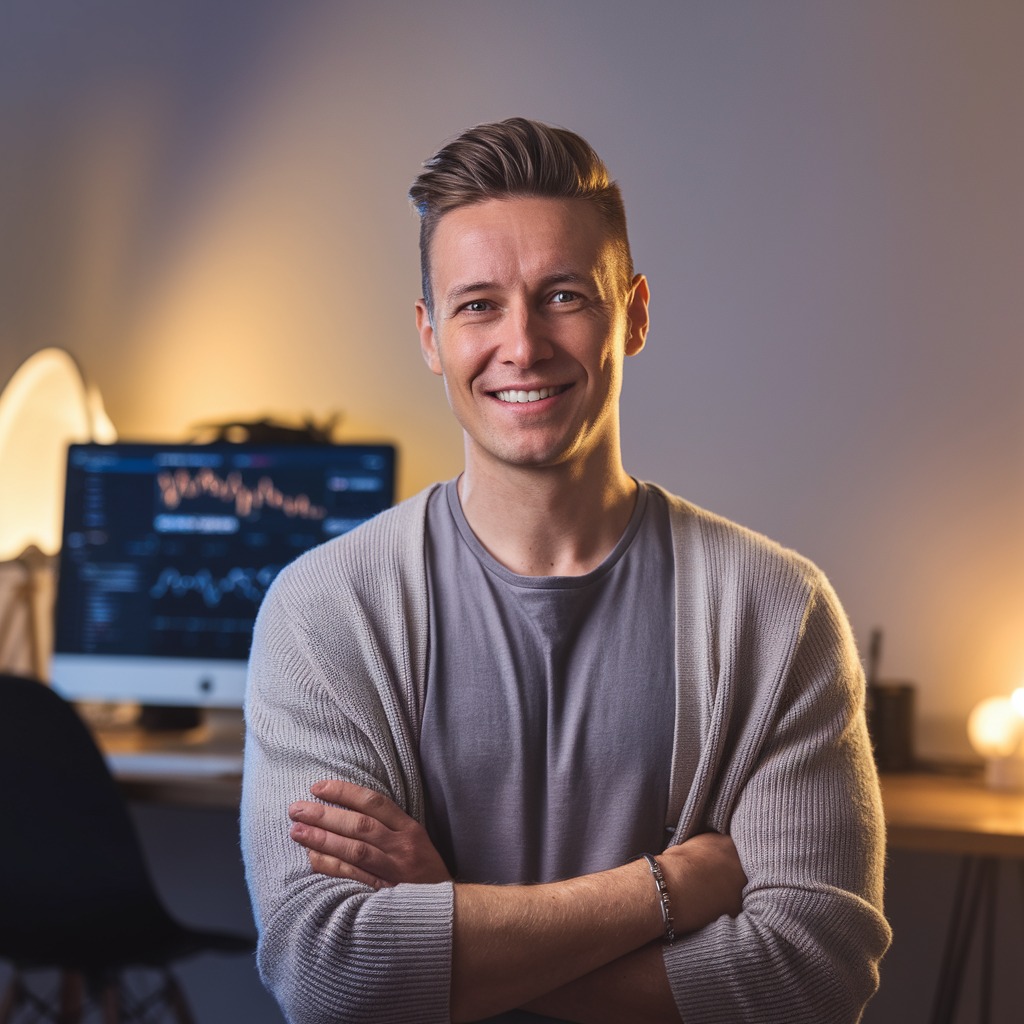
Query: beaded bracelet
666, 903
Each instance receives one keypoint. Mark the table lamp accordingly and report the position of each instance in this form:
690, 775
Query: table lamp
996, 730
45, 406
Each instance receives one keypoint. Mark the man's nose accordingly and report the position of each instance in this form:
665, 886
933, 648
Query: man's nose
525, 340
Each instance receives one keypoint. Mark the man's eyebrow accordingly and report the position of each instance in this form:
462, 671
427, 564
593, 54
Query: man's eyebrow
460, 291
454, 294
567, 277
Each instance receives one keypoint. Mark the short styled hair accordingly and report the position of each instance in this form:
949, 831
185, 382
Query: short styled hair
506, 159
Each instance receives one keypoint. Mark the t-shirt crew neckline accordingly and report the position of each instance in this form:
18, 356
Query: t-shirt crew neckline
492, 565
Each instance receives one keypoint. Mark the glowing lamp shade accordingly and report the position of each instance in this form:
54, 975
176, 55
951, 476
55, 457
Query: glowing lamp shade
45, 406
996, 731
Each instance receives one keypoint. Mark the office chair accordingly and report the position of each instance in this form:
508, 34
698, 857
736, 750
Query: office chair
75, 892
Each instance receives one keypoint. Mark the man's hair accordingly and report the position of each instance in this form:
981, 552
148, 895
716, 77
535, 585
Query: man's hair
511, 158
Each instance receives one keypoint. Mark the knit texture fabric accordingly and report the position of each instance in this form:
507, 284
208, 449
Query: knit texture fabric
770, 747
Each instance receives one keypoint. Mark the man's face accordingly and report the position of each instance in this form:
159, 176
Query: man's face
531, 325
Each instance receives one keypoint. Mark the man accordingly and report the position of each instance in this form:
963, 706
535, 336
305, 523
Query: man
576, 747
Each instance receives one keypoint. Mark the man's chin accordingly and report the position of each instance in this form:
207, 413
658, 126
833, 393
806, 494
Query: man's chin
520, 458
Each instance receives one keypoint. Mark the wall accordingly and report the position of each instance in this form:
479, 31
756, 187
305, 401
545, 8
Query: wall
205, 204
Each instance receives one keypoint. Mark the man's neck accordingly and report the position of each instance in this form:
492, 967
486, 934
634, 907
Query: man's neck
547, 522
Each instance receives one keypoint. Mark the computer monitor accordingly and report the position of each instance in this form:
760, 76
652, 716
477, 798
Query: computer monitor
168, 550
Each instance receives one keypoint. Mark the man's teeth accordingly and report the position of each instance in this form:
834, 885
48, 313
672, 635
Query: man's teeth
527, 396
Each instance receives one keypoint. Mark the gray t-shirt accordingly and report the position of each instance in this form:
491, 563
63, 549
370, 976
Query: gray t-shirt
549, 720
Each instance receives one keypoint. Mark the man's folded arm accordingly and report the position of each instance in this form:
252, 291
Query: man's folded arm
337, 949
808, 824
634, 988
513, 944
330, 949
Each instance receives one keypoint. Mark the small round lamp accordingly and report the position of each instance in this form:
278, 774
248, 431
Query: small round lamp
996, 731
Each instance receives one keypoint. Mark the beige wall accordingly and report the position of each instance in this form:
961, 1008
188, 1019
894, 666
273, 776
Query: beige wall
205, 204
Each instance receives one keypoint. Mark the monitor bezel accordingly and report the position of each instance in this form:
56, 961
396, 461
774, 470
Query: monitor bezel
200, 682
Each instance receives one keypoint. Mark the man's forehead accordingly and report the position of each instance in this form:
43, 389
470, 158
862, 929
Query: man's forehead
537, 235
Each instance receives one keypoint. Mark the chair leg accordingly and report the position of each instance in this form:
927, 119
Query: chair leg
72, 988
12, 996
109, 999
177, 1002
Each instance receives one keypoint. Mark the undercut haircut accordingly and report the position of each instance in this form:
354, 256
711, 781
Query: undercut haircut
513, 158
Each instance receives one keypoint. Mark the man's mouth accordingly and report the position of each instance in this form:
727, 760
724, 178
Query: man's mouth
529, 396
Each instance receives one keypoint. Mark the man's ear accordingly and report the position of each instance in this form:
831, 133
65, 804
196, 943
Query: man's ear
637, 318
428, 340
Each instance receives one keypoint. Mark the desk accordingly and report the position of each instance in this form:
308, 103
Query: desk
923, 811
940, 813
187, 790
928, 812
952, 814
957, 814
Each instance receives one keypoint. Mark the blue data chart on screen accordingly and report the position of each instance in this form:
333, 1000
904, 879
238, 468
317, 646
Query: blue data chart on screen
168, 551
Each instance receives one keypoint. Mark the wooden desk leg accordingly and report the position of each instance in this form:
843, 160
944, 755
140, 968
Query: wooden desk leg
976, 892
988, 941
966, 901
1020, 869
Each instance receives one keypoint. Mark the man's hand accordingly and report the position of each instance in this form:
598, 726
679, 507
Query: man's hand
705, 880
362, 835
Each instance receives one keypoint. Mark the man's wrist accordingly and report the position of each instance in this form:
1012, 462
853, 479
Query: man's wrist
664, 900
512, 944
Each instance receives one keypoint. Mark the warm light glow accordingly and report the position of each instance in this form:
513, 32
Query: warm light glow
1017, 700
103, 429
995, 728
996, 731
45, 406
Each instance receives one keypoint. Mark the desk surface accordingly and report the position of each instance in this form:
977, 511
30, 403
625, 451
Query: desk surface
923, 811
183, 789
952, 814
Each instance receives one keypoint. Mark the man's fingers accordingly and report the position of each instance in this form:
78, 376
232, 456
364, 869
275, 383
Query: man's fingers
360, 854
335, 819
362, 828
341, 822
335, 868
360, 799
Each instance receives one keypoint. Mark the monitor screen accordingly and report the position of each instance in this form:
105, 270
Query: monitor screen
168, 550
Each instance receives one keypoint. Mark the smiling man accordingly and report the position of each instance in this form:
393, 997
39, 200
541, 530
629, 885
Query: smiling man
554, 743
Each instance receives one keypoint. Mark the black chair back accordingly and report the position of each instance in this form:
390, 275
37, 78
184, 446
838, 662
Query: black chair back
75, 891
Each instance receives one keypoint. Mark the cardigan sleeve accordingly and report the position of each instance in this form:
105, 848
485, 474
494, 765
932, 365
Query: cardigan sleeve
795, 787
319, 705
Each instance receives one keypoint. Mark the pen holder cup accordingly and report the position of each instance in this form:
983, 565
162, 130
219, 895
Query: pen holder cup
890, 712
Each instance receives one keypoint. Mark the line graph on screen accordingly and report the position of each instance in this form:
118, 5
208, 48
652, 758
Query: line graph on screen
249, 584
178, 486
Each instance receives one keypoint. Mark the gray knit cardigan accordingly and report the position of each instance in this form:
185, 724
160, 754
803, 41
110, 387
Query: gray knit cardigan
770, 746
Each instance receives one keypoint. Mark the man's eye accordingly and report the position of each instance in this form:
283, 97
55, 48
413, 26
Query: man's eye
564, 296
476, 306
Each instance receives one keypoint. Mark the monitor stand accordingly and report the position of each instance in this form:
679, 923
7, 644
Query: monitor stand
222, 729
160, 718
216, 730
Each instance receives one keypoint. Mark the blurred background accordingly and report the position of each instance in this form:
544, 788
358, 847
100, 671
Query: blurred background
205, 204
